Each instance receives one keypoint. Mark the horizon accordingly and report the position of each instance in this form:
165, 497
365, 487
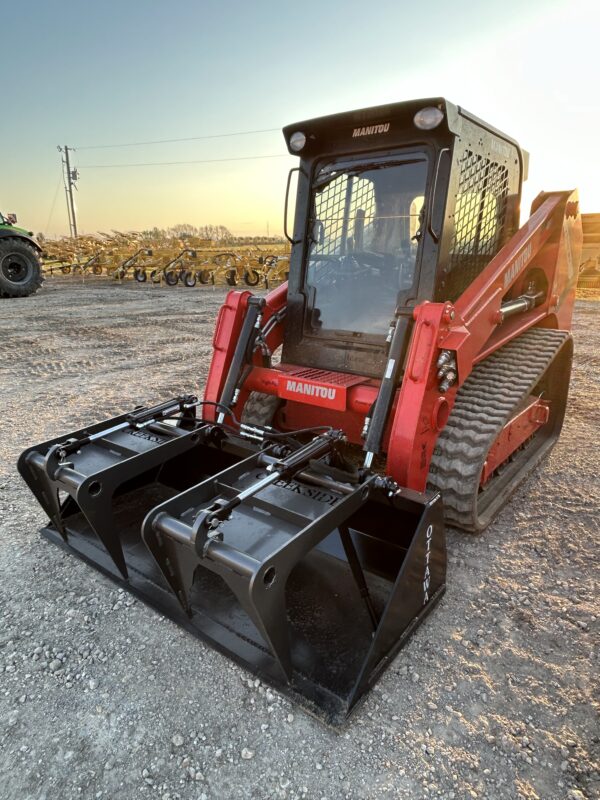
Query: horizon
154, 78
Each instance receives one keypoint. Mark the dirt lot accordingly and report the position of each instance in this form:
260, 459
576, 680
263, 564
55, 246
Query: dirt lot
101, 698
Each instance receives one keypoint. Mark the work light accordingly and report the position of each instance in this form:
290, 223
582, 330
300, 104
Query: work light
428, 118
297, 141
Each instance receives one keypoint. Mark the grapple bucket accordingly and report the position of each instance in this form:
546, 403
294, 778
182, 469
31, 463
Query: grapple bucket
311, 578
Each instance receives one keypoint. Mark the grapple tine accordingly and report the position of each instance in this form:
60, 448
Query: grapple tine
31, 466
177, 571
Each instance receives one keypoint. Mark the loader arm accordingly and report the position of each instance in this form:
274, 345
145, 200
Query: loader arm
228, 329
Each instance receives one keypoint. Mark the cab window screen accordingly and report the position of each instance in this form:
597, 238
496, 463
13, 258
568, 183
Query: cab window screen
479, 220
363, 231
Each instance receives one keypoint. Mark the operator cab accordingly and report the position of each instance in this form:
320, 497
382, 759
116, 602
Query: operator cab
395, 205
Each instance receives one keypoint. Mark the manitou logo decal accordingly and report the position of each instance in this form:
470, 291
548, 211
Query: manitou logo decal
370, 130
517, 265
427, 575
310, 390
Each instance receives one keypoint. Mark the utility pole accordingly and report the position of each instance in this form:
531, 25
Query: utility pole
70, 178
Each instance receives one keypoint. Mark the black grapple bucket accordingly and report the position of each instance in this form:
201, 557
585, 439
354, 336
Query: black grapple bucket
310, 581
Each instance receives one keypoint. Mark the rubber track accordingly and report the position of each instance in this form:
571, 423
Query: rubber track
260, 408
484, 404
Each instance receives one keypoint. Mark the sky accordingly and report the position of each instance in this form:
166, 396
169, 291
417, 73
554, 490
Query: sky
87, 73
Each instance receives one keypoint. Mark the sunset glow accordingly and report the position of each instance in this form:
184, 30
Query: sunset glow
192, 71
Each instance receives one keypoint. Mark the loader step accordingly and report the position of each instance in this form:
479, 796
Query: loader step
536, 363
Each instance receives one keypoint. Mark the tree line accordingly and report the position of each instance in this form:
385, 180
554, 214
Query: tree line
216, 233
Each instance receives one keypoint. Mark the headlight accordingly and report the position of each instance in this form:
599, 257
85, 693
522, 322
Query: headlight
297, 141
428, 118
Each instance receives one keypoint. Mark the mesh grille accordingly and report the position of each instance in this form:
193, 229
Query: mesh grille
324, 376
330, 205
479, 220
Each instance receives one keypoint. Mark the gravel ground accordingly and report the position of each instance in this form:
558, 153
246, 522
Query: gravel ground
102, 698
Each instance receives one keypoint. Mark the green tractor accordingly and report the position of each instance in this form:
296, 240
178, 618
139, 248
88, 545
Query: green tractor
20, 260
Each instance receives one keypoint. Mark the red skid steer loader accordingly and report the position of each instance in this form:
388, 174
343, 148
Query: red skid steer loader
411, 372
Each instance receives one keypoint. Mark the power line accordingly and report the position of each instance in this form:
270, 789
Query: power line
173, 141
174, 163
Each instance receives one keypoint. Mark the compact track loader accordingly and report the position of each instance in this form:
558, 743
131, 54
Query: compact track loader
410, 373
